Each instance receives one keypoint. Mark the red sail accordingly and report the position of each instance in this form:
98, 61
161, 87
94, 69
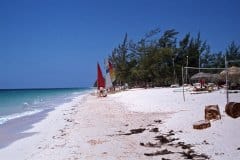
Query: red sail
100, 79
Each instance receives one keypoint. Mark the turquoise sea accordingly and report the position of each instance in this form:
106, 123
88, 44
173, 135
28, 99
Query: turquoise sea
17, 103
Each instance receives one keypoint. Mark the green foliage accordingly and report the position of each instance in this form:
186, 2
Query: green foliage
157, 58
233, 53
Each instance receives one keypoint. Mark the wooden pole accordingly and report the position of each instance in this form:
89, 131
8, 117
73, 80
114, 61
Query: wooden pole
183, 85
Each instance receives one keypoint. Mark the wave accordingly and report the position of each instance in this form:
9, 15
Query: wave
4, 119
77, 93
26, 104
29, 102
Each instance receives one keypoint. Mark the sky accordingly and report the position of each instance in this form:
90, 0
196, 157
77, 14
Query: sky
57, 43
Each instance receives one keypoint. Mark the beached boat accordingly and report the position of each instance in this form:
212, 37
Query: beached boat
100, 82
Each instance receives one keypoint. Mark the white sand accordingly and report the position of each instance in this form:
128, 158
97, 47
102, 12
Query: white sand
91, 127
223, 136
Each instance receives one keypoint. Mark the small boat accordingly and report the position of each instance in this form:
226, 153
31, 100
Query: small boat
100, 82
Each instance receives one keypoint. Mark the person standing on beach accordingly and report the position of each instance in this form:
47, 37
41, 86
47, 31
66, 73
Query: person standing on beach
202, 82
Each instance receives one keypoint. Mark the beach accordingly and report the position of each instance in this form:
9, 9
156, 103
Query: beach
134, 124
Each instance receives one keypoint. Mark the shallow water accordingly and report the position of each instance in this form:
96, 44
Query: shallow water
24, 102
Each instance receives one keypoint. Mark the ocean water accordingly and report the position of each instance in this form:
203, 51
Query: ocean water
24, 102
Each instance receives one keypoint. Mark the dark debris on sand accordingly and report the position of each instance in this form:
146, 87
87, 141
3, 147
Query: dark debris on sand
163, 139
158, 121
154, 130
183, 145
162, 152
190, 154
134, 131
167, 140
153, 145
238, 148
205, 142
165, 159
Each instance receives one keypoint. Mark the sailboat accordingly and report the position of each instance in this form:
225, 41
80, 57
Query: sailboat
110, 76
108, 80
100, 82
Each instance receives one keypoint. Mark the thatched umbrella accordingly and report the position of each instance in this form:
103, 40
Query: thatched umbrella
233, 74
216, 78
201, 75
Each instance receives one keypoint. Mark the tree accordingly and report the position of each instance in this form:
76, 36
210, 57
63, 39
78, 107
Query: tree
158, 58
218, 60
119, 59
233, 52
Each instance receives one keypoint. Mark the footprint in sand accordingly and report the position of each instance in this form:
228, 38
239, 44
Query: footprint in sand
95, 142
60, 144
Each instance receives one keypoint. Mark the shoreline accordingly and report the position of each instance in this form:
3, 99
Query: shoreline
24, 139
135, 124
14, 129
17, 128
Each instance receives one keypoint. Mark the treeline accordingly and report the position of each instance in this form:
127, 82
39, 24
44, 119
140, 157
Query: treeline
158, 57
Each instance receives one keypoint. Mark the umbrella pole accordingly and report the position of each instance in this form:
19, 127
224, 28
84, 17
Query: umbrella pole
226, 67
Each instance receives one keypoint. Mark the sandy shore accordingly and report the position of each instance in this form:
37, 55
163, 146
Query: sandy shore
136, 124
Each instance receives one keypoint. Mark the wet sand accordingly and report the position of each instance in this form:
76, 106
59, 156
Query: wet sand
14, 129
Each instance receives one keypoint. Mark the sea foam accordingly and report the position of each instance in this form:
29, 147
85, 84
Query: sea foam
4, 119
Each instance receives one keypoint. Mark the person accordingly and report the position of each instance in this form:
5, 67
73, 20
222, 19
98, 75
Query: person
102, 92
202, 83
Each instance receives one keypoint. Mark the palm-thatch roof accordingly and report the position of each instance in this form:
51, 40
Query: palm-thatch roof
201, 75
233, 73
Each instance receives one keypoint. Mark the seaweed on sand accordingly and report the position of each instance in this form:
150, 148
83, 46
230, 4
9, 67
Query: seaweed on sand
162, 152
